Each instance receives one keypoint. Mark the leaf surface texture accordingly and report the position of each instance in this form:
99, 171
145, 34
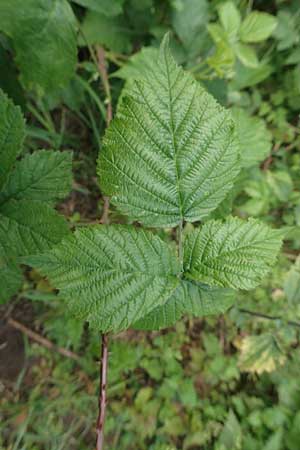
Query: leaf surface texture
234, 253
113, 275
171, 153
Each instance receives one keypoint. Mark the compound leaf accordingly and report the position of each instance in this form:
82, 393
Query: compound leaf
12, 131
234, 253
113, 275
190, 298
171, 153
30, 226
44, 37
44, 175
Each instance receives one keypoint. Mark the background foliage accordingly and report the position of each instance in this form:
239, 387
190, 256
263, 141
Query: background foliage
229, 382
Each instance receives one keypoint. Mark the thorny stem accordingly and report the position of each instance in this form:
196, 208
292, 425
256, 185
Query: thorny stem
102, 393
101, 62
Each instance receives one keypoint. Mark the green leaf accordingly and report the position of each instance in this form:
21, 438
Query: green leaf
106, 7
44, 175
257, 27
281, 184
260, 354
113, 275
9, 78
30, 227
246, 55
275, 441
44, 38
189, 20
10, 275
138, 65
112, 32
286, 32
190, 298
231, 435
292, 283
234, 253
12, 130
171, 153
254, 137
250, 76
230, 18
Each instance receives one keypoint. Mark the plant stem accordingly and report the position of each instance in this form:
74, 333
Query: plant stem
41, 340
104, 77
101, 64
102, 393
268, 317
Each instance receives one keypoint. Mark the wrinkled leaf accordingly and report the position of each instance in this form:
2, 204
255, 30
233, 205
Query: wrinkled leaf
171, 153
190, 298
30, 227
43, 175
234, 253
113, 275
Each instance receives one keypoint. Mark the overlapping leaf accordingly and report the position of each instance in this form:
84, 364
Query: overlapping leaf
112, 275
171, 153
234, 253
30, 227
28, 187
43, 175
190, 298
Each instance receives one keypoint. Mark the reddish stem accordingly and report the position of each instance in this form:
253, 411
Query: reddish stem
102, 393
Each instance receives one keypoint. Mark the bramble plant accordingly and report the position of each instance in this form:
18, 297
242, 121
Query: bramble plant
169, 158
29, 187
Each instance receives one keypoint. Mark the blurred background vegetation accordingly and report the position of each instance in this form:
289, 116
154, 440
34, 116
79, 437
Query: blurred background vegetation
225, 383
